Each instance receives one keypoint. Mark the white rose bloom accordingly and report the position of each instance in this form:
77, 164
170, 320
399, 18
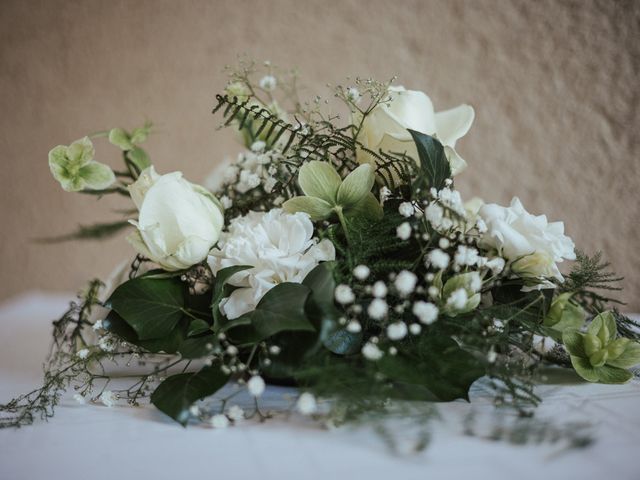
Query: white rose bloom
280, 247
532, 244
179, 222
385, 128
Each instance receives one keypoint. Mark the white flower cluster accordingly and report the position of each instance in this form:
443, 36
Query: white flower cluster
252, 168
280, 247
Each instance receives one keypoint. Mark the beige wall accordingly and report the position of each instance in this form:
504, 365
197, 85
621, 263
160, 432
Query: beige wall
554, 84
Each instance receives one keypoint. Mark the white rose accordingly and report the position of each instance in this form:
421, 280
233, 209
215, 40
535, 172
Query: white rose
385, 128
529, 242
279, 246
179, 222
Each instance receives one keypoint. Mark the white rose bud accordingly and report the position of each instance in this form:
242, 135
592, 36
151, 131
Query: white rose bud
179, 222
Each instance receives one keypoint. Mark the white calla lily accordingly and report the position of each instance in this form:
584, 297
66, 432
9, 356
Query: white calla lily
386, 127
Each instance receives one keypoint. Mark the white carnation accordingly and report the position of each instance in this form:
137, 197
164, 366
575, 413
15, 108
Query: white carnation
533, 244
280, 248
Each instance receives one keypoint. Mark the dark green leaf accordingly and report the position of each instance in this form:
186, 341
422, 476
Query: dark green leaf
168, 344
198, 347
197, 326
280, 310
434, 165
439, 368
151, 306
219, 291
320, 307
177, 393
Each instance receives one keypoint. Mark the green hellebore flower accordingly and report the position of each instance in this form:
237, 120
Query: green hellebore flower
563, 315
326, 193
73, 166
597, 355
461, 293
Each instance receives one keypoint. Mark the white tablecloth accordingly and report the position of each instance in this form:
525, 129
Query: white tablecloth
95, 442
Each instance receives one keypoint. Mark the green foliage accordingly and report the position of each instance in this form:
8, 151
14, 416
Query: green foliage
434, 167
97, 231
177, 393
221, 290
591, 280
433, 368
61, 369
151, 306
281, 309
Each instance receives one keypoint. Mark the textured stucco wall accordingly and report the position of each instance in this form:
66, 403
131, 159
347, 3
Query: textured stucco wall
554, 84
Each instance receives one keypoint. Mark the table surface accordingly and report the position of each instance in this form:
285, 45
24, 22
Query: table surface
90, 441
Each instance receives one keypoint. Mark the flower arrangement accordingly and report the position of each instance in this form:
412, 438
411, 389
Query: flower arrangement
333, 255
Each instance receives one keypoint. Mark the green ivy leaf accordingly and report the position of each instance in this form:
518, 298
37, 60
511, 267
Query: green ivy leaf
152, 307
198, 347
177, 393
433, 161
170, 343
197, 326
320, 306
220, 292
280, 310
